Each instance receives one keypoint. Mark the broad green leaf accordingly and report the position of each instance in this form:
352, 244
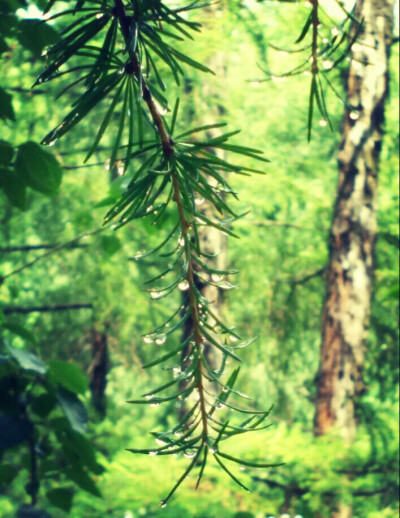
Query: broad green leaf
19, 330
6, 152
39, 168
35, 35
28, 361
43, 404
73, 409
61, 498
68, 375
14, 187
83, 480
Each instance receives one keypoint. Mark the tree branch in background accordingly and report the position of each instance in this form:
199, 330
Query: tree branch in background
29, 248
68, 244
47, 309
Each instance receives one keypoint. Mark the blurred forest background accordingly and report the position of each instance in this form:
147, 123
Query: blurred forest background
82, 310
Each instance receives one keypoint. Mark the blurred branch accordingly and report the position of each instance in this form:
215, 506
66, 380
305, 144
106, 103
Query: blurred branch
271, 223
50, 252
300, 491
302, 280
46, 309
28, 248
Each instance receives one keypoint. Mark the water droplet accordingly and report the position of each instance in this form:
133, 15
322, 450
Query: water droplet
325, 40
163, 504
154, 404
183, 285
161, 339
52, 142
99, 15
335, 31
215, 277
233, 338
139, 254
199, 201
327, 64
160, 442
213, 450
354, 115
181, 241
153, 453
148, 340
189, 454
242, 468
156, 294
148, 396
322, 123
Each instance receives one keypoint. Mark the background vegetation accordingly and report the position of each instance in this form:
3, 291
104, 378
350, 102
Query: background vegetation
281, 256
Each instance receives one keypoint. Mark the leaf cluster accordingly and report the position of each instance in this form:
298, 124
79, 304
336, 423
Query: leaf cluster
41, 412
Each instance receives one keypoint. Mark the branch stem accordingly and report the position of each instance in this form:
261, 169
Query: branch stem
168, 150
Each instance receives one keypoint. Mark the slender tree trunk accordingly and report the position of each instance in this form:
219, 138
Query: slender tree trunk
352, 238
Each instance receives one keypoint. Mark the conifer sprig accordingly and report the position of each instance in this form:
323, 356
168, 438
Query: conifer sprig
174, 172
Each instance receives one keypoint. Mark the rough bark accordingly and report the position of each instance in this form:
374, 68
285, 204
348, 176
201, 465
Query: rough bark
353, 232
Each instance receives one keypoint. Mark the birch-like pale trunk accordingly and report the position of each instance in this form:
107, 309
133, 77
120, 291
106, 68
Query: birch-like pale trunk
352, 238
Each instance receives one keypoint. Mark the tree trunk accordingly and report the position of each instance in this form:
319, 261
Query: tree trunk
352, 238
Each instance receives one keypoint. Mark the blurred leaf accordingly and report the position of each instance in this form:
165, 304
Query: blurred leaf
27, 360
6, 152
38, 168
13, 431
7, 474
43, 404
82, 219
18, 330
14, 188
6, 108
83, 480
61, 498
12, 5
110, 245
68, 375
35, 35
7, 21
3, 46
73, 409
78, 446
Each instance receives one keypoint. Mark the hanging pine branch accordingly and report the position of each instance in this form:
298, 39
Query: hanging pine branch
169, 171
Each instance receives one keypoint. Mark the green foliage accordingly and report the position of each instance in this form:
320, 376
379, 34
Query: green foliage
282, 241
174, 172
42, 417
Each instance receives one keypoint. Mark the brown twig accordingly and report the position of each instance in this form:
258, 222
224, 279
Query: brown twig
168, 150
